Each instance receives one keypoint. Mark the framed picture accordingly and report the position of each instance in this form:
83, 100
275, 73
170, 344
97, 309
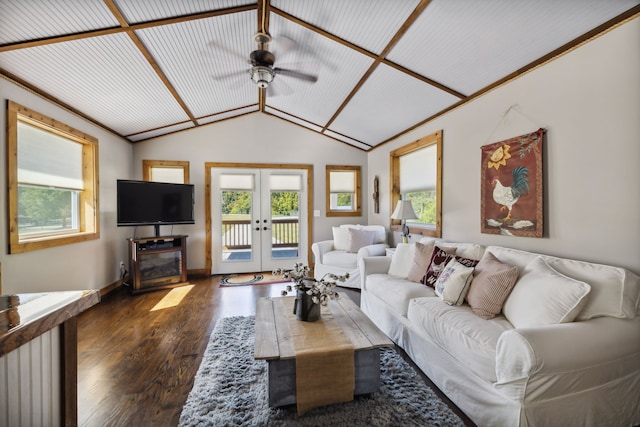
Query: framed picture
511, 186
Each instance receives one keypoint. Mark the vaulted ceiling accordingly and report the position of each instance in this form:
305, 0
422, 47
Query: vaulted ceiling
371, 69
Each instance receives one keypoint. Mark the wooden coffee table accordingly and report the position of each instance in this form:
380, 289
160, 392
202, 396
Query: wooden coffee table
274, 344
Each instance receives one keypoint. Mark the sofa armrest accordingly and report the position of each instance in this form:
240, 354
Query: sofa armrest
372, 265
378, 249
321, 248
602, 348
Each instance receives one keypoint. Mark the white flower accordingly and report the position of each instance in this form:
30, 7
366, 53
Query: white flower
320, 289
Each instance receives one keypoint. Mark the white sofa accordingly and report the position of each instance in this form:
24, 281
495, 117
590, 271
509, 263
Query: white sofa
341, 255
582, 373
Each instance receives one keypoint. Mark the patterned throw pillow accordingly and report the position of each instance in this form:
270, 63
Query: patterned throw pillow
492, 283
439, 259
453, 283
420, 262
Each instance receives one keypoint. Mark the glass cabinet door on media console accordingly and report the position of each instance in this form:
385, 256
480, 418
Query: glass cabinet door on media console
157, 263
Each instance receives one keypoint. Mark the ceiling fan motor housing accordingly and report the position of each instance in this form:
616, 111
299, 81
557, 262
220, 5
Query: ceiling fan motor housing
262, 71
262, 75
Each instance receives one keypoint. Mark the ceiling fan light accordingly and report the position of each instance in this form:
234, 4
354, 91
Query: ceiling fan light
262, 76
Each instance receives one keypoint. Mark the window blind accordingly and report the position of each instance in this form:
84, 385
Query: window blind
47, 159
238, 182
418, 170
285, 182
342, 182
167, 174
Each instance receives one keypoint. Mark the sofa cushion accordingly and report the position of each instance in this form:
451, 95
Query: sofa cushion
466, 337
466, 250
380, 233
401, 260
615, 291
420, 262
492, 283
396, 292
359, 239
452, 285
341, 259
543, 296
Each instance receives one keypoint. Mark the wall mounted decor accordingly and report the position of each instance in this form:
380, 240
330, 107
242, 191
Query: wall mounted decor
376, 196
511, 186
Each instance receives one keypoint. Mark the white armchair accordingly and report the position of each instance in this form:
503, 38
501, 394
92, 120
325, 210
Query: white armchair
350, 243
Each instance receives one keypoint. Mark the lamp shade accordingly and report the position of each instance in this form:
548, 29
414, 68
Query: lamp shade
404, 210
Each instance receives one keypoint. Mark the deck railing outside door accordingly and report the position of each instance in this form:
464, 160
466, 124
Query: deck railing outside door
236, 234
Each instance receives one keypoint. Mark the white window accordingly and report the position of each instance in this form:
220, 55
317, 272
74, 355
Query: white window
418, 183
416, 175
343, 191
52, 182
175, 172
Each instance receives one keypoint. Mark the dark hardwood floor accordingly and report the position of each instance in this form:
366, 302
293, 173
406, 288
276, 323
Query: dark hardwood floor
138, 355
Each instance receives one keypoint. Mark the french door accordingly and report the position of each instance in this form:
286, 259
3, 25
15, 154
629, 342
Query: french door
258, 219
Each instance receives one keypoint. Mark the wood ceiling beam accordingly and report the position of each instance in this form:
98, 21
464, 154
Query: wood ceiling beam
378, 58
130, 27
604, 28
117, 13
39, 92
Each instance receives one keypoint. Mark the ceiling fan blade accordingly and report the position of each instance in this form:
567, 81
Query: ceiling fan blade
282, 45
227, 76
296, 74
232, 81
215, 46
278, 88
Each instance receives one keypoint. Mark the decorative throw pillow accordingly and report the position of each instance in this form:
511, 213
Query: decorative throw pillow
439, 259
401, 260
359, 239
492, 283
453, 283
340, 238
543, 296
420, 262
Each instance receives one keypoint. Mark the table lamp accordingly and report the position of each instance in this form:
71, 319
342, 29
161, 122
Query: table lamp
404, 211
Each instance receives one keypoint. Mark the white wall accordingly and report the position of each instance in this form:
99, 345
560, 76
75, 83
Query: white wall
254, 138
87, 265
589, 102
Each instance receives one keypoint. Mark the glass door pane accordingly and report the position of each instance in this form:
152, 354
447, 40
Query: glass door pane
236, 225
285, 236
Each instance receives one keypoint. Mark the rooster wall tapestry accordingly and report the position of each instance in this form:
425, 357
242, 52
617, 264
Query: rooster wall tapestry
512, 186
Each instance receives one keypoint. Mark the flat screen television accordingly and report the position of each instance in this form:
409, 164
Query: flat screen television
154, 203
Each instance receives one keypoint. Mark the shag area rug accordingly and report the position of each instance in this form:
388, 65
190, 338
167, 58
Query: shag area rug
230, 389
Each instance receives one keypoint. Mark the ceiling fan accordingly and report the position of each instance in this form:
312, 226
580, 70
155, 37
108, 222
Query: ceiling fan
262, 71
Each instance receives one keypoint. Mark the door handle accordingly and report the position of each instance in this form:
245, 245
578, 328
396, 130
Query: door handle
266, 228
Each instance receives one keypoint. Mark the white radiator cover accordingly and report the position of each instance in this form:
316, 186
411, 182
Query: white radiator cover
31, 383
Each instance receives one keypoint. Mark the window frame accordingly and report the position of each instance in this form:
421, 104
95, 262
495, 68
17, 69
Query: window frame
357, 203
147, 165
89, 212
395, 225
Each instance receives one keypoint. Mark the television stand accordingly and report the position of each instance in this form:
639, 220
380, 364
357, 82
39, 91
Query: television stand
157, 263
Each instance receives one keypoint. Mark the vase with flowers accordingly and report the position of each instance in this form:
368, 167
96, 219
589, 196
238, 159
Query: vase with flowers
311, 293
